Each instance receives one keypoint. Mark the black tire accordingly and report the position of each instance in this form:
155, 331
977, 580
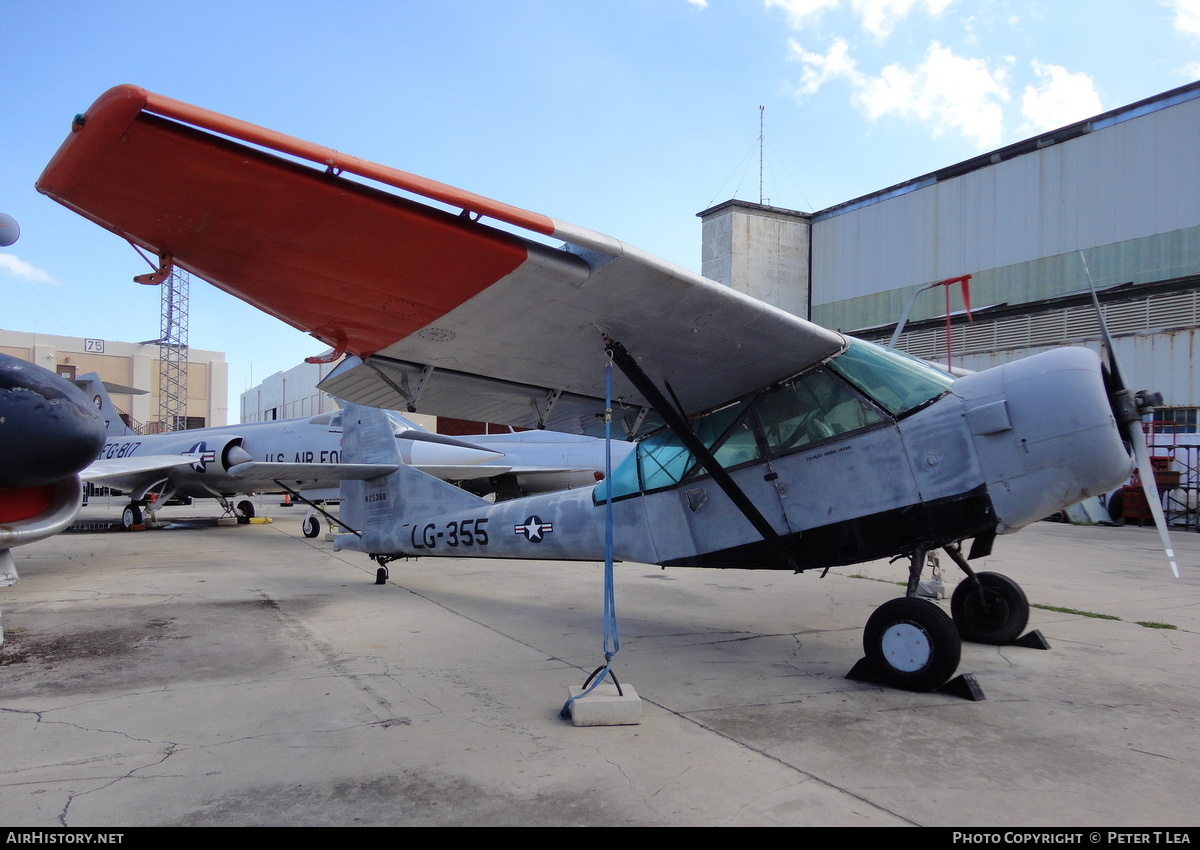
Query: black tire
912, 644
245, 508
131, 516
311, 526
993, 611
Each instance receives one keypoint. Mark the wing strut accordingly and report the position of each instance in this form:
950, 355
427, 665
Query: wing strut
681, 429
295, 494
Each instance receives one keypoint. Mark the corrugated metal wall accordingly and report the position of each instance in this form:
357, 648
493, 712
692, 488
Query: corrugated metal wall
1164, 362
1130, 190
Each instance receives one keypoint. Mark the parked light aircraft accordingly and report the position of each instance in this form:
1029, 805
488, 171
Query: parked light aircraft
763, 441
303, 455
48, 434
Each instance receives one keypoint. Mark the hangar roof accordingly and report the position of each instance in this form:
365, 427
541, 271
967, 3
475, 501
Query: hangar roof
1166, 99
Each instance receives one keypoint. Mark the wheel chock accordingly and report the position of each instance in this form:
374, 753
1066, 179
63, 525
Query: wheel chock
1032, 640
963, 685
863, 671
604, 706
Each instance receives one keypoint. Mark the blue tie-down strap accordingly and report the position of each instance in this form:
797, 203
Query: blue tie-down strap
612, 641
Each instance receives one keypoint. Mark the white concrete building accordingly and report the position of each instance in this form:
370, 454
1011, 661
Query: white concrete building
130, 364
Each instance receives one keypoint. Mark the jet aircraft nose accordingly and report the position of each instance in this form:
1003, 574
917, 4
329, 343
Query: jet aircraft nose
48, 428
1044, 434
421, 448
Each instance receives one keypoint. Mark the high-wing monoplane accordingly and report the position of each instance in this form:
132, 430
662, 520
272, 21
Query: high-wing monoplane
763, 441
303, 456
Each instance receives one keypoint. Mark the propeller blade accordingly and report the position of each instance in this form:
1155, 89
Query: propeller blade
1141, 454
1129, 422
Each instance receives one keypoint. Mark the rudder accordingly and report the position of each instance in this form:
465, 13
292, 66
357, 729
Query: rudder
379, 509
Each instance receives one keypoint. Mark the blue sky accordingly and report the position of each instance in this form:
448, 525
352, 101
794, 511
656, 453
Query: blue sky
626, 116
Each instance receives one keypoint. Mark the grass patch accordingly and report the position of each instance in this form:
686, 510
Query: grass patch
882, 580
1148, 624
1075, 611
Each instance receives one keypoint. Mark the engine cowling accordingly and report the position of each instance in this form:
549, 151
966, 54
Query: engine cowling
214, 455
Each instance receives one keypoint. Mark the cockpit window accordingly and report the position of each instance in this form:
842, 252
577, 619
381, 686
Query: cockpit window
781, 419
810, 408
896, 382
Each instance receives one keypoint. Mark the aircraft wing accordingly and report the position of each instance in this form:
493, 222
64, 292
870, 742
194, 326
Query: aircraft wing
130, 474
452, 303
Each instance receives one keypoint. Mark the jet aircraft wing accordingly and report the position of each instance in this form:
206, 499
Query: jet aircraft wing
452, 303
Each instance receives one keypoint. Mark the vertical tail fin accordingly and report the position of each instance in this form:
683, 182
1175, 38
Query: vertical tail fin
114, 423
383, 509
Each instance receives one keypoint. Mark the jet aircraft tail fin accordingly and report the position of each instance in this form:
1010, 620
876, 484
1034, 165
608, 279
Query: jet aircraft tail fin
114, 422
383, 509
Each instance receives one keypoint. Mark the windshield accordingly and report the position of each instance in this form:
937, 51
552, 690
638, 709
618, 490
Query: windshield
847, 395
896, 382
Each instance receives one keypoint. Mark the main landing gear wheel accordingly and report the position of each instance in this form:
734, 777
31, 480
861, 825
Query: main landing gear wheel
311, 526
912, 644
131, 516
991, 609
245, 509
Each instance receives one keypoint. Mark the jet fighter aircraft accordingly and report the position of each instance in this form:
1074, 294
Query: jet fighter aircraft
302, 456
763, 441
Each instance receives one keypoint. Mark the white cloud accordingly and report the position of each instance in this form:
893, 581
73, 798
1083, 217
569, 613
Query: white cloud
699, 4
14, 266
800, 13
878, 17
1187, 15
945, 91
1058, 98
821, 68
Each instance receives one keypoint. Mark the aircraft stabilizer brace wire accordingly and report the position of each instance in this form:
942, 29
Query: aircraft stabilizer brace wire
612, 641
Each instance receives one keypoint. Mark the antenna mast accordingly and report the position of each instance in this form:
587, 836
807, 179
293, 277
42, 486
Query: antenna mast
761, 139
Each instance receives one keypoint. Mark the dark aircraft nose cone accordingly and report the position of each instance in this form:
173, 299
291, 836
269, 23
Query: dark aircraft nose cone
48, 427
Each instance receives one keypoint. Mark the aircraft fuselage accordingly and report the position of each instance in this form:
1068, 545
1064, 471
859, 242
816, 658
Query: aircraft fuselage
987, 453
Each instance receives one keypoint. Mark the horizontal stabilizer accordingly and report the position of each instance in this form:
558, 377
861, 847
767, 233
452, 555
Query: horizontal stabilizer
306, 474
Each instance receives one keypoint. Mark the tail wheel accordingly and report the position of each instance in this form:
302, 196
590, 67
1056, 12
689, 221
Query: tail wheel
991, 609
912, 644
311, 526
